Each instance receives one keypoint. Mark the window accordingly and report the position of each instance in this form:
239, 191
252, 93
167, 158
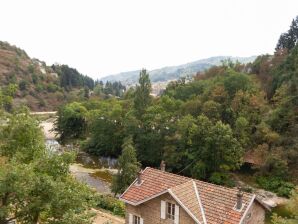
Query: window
136, 220
170, 211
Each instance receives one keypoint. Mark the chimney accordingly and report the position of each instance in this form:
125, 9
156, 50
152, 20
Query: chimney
239, 199
139, 180
163, 166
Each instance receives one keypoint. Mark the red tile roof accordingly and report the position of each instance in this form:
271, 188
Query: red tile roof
202, 200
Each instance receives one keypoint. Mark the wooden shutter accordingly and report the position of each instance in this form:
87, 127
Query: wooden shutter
176, 214
130, 218
163, 209
141, 221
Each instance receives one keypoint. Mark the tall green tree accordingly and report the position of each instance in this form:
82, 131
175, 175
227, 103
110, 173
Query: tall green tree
21, 138
142, 94
289, 39
35, 185
128, 167
213, 148
71, 122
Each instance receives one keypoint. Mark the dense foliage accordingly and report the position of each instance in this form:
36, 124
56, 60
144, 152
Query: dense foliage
110, 203
35, 185
128, 167
203, 128
209, 126
71, 78
289, 39
109, 89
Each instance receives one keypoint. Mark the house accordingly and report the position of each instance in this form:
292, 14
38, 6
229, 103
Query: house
157, 197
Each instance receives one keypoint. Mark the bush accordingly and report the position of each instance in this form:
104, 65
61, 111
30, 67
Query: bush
221, 179
110, 203
52, 88
39, 88
41, 102
285, 189
23, 85
275, 184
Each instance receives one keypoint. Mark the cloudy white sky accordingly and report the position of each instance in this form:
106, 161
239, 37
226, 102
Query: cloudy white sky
102, 37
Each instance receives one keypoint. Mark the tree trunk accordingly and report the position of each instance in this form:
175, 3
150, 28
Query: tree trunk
36, 218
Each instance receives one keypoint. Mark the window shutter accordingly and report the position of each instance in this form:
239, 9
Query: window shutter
163, 210
130, 218
141, 221
176, 214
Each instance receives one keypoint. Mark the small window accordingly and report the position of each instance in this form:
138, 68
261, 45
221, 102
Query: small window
170, 211
136, 220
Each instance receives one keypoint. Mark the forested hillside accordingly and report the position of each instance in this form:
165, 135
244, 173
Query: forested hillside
227, 118
30, 82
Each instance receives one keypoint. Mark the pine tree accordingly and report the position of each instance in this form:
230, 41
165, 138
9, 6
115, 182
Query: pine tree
289, 39
142, 95
128, 167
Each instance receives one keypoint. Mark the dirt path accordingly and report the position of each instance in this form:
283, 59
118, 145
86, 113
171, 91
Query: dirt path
44, 113
106, 218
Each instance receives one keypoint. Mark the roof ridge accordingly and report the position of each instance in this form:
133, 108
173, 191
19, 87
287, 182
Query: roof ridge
199, 201
199, 181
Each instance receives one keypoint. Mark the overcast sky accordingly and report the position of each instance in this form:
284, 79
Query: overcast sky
102, 37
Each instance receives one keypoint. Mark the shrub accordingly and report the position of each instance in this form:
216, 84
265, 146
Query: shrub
285, 189
221, 179
23, 85
110, 203
41, 102
39, 88
275, 184
247, 189
52, 88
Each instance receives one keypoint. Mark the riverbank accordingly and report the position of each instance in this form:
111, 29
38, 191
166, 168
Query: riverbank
98, 179
87, 169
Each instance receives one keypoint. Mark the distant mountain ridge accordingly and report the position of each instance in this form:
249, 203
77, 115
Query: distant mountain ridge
174, 72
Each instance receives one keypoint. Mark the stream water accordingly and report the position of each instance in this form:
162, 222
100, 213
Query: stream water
95, 171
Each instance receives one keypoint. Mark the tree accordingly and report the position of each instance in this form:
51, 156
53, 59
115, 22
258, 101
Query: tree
128, 167
71, 122
21, 138
42, 191
142, 94
289, 39
213, 147
106, 129
35, 185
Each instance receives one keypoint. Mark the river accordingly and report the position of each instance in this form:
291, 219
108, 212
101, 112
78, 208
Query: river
94, 171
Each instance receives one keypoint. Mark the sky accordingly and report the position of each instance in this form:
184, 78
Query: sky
103, 37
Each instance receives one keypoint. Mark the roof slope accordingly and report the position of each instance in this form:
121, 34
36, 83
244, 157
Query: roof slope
187, 193
208, 203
